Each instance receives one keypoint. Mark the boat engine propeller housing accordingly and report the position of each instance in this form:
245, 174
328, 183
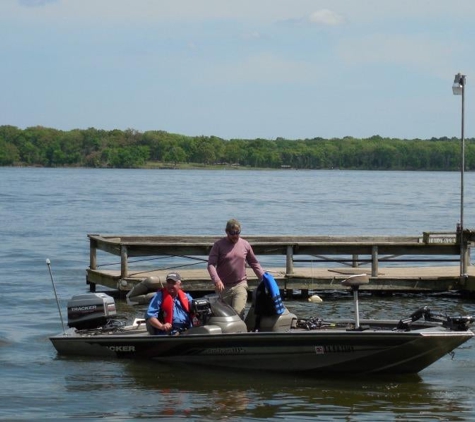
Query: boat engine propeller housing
90, 310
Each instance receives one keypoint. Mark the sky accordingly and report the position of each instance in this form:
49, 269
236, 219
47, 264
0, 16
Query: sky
293, 69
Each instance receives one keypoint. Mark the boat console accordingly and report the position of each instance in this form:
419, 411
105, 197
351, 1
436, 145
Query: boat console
213, 316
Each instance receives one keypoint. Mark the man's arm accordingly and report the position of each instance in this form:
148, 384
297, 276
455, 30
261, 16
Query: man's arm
212, 263
254, 263
153, 311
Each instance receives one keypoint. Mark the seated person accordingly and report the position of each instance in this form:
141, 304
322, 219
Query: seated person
169, 309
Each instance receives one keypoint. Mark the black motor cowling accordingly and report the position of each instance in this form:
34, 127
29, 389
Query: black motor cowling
90, 310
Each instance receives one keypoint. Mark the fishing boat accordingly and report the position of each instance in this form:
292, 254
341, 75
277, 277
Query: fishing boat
271, 341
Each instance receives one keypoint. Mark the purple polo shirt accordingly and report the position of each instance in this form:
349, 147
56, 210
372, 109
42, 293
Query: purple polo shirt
227, 262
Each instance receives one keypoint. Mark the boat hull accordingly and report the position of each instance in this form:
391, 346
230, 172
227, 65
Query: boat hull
310, 352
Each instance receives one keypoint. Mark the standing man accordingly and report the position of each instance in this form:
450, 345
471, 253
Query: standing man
169, 309
227, 266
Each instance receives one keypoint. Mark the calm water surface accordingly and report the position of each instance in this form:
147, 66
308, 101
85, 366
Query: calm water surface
47, 213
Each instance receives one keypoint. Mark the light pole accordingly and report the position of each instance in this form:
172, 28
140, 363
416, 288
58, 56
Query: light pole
458, 88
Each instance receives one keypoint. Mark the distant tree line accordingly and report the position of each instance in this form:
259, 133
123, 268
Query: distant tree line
41, 146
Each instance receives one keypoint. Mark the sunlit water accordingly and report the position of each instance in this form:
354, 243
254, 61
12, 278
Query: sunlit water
47, 213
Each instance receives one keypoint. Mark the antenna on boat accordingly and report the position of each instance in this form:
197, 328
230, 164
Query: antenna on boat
48, 263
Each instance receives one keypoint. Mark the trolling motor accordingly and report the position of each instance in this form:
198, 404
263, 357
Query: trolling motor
405, 323
459, 323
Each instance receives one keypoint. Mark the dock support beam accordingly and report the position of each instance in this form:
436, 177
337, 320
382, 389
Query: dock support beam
289, 260
92, 261
374, 262
124, 272
92, 254
465, 249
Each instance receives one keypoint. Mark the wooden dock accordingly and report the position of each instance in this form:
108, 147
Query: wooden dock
431, 262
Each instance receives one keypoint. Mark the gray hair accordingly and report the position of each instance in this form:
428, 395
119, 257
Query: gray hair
233, 225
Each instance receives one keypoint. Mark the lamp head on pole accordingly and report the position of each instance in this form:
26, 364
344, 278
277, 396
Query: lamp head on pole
459, 83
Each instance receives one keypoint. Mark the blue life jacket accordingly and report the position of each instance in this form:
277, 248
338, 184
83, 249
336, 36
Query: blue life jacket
268, 299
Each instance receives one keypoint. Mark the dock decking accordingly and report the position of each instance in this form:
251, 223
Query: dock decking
427, 263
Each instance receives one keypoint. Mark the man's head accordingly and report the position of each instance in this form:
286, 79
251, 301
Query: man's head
173, 283
233, 230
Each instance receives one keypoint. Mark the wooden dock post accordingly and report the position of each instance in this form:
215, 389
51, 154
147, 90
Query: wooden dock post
374, 261
92, 254
289, 260
467, 258
92, 261
465, 249
124, 272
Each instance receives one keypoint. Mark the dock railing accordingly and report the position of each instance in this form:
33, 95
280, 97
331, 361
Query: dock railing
430, 247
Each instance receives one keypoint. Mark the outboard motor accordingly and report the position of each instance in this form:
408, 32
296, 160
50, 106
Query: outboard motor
90, 310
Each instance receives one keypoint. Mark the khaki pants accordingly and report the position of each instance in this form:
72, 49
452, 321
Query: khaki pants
236, 296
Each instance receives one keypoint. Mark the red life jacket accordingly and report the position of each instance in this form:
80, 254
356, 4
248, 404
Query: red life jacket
167, 304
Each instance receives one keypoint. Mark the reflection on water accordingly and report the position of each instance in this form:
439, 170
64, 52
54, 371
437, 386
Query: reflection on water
213, 394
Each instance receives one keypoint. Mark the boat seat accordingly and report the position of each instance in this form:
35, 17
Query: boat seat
262, 315
356, 280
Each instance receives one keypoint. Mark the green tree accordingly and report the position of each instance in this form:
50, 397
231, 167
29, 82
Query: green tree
9, 153
126, 157
175, 155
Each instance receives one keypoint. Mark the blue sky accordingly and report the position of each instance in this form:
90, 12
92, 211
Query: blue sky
239, 69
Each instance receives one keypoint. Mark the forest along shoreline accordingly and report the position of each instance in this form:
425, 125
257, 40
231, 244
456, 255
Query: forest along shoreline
95, 148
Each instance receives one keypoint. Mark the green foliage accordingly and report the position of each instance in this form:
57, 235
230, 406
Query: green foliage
9, 154
175, 155
126, 157
40, 146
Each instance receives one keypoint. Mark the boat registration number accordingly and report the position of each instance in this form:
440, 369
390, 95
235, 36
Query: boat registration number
223, 351
333, 348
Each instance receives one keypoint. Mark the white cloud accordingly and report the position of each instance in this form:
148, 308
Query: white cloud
322, 17
252, 35
325, 17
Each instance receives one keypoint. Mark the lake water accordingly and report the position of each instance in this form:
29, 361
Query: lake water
47, 213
